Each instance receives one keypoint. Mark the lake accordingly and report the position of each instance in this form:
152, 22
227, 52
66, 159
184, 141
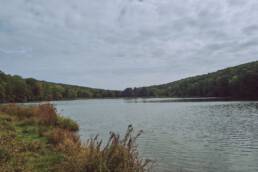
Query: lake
187, 136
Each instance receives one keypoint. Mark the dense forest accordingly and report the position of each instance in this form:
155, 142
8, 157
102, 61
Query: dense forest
239, 82
18, 89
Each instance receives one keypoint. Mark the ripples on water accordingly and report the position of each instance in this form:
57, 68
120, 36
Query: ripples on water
194, 136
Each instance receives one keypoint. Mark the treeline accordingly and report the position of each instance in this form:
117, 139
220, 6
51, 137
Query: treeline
18, 89
240, 82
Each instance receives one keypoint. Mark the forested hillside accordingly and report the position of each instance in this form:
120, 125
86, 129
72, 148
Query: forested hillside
236, 82
240, 82
18, 89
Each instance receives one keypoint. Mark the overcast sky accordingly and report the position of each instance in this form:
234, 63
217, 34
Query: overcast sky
116, 44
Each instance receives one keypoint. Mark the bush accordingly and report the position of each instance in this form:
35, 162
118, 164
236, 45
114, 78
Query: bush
44, 113
67, 123
117, 155
21, 112
47, 114
32, 132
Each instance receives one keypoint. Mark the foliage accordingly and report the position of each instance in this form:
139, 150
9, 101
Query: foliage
67, 123
30, 142
17, 89
118, 154
240, 82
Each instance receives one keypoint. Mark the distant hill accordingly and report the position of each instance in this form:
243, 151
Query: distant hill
17, 89
239, 82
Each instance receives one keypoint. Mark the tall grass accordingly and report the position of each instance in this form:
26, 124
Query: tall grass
41, 122
44, 114
119, 154
67, 123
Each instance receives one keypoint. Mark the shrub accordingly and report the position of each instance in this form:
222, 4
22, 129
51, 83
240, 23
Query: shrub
67, 123
43, 113
47, 114
117, 155
22, 112
31, 131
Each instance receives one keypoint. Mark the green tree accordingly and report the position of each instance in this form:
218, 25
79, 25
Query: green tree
2, 94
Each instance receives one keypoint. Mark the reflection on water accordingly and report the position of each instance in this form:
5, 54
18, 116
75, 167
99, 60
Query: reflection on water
214, 136
166, 100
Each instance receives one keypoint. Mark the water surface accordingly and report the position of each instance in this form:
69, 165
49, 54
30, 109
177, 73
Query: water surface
194, 136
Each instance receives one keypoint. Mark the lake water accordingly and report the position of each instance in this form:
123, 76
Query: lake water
194, 136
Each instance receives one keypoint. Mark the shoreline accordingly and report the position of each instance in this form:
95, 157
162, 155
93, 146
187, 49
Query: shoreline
36, 138
176, 99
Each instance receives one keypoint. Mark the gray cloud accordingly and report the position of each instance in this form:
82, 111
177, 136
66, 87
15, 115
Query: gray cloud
120, 43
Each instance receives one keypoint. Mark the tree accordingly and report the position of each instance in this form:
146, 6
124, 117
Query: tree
128, 92
2, 94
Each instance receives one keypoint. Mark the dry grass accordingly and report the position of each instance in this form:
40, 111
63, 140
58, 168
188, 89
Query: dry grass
21, 112
37, 132
44, 114
117, 155
67, 123
58, 136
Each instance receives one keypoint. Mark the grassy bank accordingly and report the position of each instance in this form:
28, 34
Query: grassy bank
36, 138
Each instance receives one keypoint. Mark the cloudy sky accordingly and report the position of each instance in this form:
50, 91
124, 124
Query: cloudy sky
124, 43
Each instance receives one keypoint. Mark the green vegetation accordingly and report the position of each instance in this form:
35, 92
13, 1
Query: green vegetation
67, 123
17, 89
240, 82
37, 139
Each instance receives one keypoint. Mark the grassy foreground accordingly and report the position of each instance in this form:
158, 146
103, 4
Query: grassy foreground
37, 139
